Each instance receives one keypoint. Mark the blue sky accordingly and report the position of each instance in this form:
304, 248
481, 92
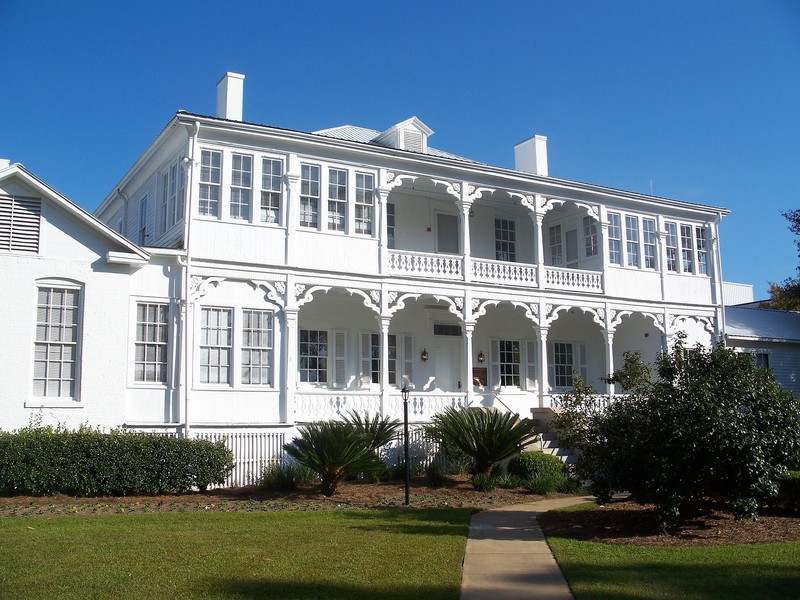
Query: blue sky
695, 100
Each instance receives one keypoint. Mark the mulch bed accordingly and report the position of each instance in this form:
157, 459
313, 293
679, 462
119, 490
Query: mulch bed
629, 523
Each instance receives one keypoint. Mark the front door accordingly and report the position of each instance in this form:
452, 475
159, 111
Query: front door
447, 233
447, 364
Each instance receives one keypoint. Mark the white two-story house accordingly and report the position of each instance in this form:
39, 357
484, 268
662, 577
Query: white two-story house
255, 277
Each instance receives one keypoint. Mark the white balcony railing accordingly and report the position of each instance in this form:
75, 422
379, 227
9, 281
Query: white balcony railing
419, 264
498, 271
559, 278
329, 405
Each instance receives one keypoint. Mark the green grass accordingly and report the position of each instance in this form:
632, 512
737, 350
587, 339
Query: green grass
360, 554
616, 572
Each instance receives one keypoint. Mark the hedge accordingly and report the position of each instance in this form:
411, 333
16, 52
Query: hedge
49, 460
789, 490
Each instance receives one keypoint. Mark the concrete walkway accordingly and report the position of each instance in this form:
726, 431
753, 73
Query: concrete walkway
507, 557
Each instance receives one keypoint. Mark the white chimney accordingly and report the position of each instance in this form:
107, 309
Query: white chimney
4, 162
530, 155
230, 96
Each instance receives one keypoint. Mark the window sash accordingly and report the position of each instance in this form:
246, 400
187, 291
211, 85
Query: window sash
687, 250
210, 182
216, 344
505, 240
271, 186
337, 199
702, 250
309, 196
590, 237
509, 360
241, 183
257, 347
614, 239
649, 235
632, 240
313, 356
671, 243
364, 203
152, 337
390, 216
56, 361
556, 247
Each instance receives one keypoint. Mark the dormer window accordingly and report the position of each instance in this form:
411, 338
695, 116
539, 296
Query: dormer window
412, 134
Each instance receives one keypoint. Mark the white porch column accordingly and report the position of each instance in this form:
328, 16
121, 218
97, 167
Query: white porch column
544, 384
609, 338
467, 385
383, 231
385, 389
290, 349
466, 206
538, 224
292, 209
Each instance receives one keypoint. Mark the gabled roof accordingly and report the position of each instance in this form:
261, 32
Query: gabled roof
759, 324
40, 187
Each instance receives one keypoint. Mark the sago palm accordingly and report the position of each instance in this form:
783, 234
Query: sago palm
333, 449
379, 430
488, 436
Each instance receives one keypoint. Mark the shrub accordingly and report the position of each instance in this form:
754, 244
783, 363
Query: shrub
543, 484
334, 449
285, 477
508, 481
434, 476
87, 462
709, 425
379, 430
487, 436
483, 482
528, 465
789, 490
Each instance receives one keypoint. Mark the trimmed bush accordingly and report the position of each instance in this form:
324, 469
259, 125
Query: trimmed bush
529, 465
434, 476
49, 460
789, 490
483, 482
285, 477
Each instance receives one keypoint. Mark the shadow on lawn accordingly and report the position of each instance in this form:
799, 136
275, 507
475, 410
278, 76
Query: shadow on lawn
725, 580
427, 521
246, 589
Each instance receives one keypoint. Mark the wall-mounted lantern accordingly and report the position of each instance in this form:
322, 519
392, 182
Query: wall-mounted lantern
481, 357
424, 355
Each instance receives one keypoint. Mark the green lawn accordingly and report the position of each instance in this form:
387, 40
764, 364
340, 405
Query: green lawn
615, 572
358, 554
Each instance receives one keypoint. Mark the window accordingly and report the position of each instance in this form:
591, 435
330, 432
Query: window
505, 240
614, 239
241, 182
364, 203
509, 363
447, 329
210, 178
671, 243
590, 237
632, 240
271, 181
649, 233
702, 250
313, 356
215, 345
337, 199
760, 358
390, 225
309, 196
164, 202
556, 249
173, 192
143, 221
152, 332
371, 357
566, 360
56, 351
257, 343
686, 248
19, 224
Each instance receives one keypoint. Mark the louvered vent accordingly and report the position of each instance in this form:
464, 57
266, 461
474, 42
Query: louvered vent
412, 140
19, 224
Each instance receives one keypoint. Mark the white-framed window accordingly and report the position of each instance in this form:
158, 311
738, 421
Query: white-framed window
173, 194
216, 344
20, 220
271, 186
702, 250
152, 338
164, 201
761, 358
399, 359
210, 182
364, 203
390, 225
556, 247
309, 196
57, 346
509, 359
143, 220
687, 249
505, 240
649, 240
257, 347
590, 243
671, 243
614, 239
337, 199
241, 185
313, 356
632, 240
565, 360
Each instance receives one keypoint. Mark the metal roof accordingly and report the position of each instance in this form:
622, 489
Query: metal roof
762, 324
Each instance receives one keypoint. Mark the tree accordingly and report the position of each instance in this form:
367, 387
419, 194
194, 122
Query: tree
708, 425
487, 436
333, 449
786, 295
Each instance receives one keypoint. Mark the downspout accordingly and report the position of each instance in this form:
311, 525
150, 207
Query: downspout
186, 264
720, 283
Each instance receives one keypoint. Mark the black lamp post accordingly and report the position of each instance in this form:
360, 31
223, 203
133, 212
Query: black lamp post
404, 393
